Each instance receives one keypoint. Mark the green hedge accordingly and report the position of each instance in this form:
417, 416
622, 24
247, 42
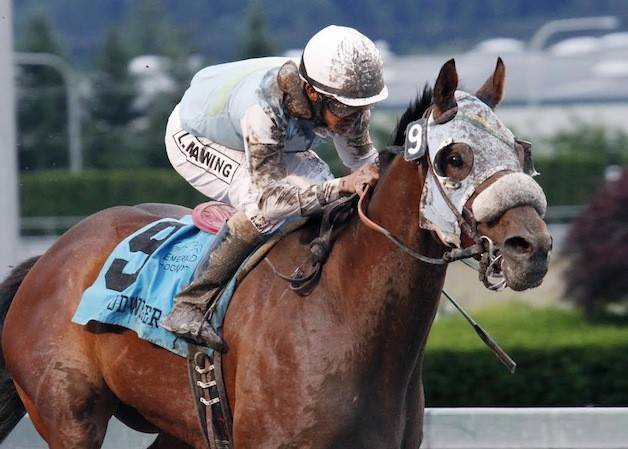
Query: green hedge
569, 181
59, 193
562, 360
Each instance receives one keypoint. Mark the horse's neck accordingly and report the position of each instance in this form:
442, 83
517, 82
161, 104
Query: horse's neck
390, 288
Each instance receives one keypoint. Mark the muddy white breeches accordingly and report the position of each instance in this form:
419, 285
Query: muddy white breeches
295, 184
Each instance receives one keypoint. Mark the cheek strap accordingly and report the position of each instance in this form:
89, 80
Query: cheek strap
511, 190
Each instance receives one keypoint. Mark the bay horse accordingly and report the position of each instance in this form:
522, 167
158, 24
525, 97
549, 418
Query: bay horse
339, 368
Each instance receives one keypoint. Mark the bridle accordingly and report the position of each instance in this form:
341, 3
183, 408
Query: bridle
483, 246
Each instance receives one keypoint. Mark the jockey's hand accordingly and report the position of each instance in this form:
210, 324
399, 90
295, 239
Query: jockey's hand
368, 174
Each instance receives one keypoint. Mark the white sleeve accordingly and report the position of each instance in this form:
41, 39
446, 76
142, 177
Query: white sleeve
278, 198
260, 127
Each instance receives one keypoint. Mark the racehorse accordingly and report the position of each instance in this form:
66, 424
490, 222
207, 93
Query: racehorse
338, 368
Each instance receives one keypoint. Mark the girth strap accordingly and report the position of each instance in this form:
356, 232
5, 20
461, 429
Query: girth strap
210, 398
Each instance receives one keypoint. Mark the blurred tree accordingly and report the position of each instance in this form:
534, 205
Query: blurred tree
112, 81
257, 42
110, 107
591, 140
41, 100
597, 244
149, 28
175, 63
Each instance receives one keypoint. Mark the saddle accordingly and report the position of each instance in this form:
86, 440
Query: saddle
210, 216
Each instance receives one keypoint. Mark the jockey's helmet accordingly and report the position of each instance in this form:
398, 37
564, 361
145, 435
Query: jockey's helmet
342, 63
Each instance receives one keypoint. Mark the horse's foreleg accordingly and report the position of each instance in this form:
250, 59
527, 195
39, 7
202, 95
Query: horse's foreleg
415, 408
76, 419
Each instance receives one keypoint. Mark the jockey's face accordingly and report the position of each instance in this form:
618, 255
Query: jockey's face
340, 125
340, 122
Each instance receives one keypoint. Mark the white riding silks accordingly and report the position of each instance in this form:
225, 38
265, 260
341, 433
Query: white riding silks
493, 146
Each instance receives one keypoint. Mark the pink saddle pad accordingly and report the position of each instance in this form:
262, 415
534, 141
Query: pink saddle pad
212, 215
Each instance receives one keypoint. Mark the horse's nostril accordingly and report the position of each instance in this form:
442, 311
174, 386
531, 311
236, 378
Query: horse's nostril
551, 243
518, 245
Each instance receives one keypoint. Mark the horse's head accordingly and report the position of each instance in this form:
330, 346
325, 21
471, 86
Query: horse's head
479, 188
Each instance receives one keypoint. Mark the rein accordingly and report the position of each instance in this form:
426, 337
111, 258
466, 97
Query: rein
484, 247
449, 256
303, 284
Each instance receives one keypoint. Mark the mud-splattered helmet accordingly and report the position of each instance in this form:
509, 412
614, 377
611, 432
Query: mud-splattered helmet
342, 63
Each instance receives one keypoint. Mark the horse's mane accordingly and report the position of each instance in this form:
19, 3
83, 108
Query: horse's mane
415, 111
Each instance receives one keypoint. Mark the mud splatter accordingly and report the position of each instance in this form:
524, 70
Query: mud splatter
266, 164
361, 78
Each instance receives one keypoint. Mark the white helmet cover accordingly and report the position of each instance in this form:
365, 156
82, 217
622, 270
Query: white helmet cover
344, 64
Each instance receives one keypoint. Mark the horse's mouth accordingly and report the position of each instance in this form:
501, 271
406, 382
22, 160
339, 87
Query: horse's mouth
523, 274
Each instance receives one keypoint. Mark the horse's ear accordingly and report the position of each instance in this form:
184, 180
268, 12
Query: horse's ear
445, 88
492, 92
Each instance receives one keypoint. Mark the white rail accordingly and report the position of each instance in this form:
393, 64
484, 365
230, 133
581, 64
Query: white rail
449, 428
526, 428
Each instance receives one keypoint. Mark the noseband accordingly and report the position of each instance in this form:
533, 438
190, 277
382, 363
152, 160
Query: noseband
483, 247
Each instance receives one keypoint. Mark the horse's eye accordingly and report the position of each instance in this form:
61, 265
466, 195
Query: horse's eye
455, 160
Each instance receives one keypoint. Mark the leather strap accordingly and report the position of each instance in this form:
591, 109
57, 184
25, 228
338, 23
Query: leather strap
222, 394
200, 409
210, 398
335, 215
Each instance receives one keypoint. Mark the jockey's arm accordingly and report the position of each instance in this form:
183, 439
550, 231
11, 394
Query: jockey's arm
278, 198
357, 153
282, 199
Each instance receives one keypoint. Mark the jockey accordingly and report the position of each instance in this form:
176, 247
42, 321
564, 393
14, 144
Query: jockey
244, 134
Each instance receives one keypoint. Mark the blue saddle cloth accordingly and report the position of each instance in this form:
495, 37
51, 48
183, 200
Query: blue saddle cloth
139, 280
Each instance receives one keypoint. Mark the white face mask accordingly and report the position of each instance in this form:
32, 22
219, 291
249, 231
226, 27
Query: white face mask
493, 146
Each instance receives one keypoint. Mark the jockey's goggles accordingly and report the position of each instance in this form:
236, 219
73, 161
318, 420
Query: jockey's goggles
340, 109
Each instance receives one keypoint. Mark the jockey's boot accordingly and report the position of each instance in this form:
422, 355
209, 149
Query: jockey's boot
233, 243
